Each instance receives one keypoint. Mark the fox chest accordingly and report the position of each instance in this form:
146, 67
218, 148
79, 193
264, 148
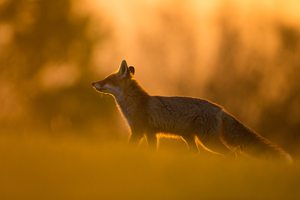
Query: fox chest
134, 116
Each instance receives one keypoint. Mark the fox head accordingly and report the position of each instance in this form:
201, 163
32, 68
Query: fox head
116, 83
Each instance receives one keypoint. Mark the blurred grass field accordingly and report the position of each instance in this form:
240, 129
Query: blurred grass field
77, 168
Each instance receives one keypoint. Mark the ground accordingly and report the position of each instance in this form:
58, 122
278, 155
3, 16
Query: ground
75, 168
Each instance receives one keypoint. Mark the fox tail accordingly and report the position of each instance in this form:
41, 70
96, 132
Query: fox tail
239, 137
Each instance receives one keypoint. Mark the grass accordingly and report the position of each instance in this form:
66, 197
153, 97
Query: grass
73, 168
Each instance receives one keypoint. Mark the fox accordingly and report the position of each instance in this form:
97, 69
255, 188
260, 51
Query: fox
195, 120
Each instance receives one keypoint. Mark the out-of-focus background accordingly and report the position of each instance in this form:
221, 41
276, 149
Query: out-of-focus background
243, 55
56, 131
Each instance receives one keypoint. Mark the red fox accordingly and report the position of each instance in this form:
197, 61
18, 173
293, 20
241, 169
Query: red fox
190, 118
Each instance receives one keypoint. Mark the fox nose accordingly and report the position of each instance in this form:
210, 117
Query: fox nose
94, 84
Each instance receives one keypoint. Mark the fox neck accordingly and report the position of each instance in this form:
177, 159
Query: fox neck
131, 99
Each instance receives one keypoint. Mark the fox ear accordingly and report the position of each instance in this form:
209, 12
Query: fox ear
132, 70
123, 70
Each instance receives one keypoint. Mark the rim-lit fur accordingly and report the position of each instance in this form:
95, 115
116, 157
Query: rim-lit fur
191, 118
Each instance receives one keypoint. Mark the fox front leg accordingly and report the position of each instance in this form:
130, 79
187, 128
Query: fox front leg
135, 138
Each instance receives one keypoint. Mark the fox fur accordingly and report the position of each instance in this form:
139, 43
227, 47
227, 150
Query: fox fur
187, 117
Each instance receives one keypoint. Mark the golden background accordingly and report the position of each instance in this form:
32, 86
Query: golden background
57, 133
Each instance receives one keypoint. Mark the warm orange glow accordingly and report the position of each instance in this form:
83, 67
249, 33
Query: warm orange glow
241, 54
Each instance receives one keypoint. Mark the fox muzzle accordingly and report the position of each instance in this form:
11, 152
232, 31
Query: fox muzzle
97, 86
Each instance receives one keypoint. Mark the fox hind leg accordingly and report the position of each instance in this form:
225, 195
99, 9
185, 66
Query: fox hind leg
213, 143
192, 145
